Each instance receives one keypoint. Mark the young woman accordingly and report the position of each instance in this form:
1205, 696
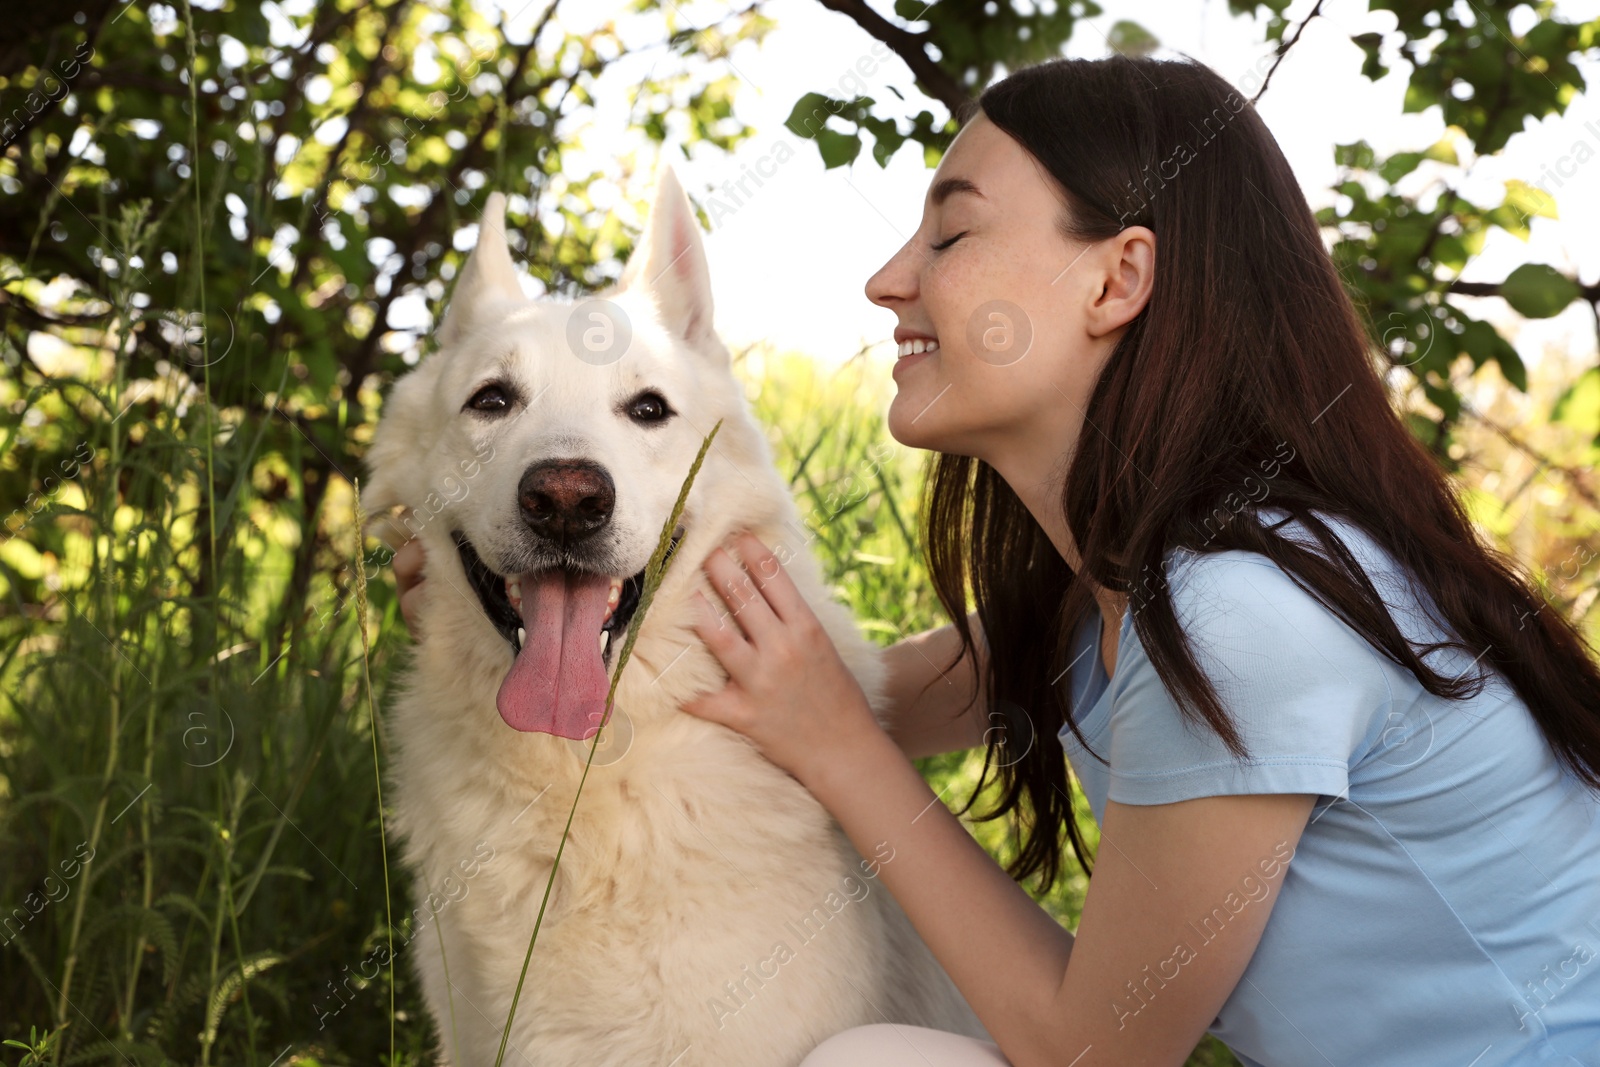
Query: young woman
1345, 760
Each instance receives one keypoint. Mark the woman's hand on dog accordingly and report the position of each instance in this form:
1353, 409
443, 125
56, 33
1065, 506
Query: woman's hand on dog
788, 690
409, 571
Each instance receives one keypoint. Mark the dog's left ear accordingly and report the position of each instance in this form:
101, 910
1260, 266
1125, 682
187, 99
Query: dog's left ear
669, 265
489, 276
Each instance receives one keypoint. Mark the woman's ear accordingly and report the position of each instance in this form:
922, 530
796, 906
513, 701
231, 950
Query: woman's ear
1127, 270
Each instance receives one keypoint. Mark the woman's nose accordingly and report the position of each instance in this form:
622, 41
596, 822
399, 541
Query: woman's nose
895, 281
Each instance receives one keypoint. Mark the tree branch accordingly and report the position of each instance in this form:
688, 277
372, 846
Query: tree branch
361, 362
932, 78
1283, 50
1590, 293
1578, 479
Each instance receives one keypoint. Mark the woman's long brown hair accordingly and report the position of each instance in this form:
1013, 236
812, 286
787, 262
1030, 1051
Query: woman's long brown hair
1249, 351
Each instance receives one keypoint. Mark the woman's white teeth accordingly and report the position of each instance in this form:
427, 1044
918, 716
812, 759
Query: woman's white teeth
917, 345
605, 639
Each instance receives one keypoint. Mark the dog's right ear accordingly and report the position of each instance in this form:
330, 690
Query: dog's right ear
489, 278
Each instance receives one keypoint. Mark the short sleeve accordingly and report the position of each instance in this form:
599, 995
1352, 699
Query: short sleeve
1305, 691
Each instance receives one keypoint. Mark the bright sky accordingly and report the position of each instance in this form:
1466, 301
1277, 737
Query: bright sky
788, 264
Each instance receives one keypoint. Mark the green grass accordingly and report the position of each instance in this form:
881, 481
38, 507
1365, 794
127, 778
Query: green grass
195, 719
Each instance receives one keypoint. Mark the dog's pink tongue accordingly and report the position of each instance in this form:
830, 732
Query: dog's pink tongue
558, 683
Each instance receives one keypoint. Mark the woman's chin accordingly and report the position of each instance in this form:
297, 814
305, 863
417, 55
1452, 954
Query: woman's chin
911, 422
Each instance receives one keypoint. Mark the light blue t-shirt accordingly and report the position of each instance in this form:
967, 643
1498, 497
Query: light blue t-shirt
1443, 904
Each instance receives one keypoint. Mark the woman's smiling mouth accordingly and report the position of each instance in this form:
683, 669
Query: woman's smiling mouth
913, 350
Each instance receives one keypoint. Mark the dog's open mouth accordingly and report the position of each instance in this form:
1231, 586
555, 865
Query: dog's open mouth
564, 626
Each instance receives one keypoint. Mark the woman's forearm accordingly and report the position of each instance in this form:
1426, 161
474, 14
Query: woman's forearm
1005, 954
932, 706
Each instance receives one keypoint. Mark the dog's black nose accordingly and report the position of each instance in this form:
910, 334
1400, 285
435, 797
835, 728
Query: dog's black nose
566, 500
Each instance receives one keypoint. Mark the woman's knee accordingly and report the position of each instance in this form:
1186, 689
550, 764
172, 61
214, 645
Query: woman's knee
859, 1044
894, 1045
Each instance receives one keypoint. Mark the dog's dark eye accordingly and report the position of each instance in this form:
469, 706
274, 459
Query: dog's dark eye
649, 407
492, 399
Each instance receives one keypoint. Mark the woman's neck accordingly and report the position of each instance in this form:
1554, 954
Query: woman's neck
1040, 493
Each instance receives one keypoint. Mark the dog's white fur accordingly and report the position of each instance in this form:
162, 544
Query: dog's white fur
707, 910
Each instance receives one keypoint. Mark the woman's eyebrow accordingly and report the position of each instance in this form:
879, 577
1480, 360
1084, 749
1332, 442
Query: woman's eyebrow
944, 188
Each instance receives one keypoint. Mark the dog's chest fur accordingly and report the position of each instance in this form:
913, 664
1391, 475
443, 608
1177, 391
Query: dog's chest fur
706, 905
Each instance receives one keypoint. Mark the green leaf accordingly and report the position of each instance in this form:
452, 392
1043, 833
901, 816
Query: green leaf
1399, 165
1484, 344
1131, 39
1372, 67
809, 114
1530, 199
1442, 394
1579, 405
1539, 291
1418, 99
838, 148
887, 139
1451, 251
1358, 155
1443, 150
1422, 428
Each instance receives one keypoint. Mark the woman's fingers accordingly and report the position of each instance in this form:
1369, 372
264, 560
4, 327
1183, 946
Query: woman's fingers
410, 565
771, 578
788, 691
723, 638
724, 706
740, 593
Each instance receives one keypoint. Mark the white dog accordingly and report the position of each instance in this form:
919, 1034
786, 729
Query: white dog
707, 911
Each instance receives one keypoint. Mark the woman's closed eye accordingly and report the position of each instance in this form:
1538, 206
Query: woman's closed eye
948, 241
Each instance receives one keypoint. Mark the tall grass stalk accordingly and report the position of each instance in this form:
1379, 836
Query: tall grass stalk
133, 234
449, 991
377, 772
197, 237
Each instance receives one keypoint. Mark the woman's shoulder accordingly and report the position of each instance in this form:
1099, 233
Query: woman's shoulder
1241, 581
1206, 585
1234, 581
1257, 630
1368, 550
1304, 689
